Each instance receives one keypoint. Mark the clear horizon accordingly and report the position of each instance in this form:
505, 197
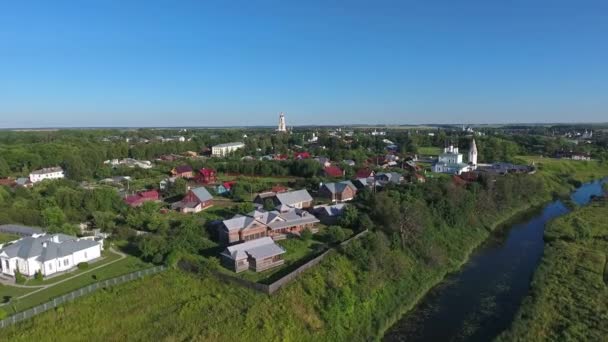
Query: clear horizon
192, 64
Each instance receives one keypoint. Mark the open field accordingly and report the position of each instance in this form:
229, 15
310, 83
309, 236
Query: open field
569, 295
429, 150
126, 265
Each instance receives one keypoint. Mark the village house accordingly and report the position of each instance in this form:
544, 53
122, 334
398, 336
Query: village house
389, 177
301, 155
338, 192
333, 171
47, 253
324, 161
141, 197
329, 213
129, 162
24, 182
196, 200
261, 223
224, 188
206, 176
256, 255
46, 173
223, 150
298, 199
365, 173
182, 171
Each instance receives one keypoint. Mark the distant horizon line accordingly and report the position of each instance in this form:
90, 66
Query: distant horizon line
43, 128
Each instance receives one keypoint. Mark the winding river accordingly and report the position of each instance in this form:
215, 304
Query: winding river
480, 301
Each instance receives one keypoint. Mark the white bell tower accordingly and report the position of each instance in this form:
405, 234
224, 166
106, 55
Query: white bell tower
282, 127
473, 153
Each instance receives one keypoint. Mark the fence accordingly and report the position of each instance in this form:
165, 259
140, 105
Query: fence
286, 279
55, 302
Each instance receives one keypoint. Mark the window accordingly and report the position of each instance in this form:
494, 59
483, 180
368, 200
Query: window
66, 262
7, 265
85, 255
50, 267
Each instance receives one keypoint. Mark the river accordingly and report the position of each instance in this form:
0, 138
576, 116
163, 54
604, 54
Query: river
480, 301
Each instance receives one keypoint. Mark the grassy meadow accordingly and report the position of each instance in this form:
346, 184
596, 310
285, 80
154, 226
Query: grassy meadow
568, 300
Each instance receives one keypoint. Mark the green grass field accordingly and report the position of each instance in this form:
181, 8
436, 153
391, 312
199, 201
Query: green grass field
127, 265
569, 296
429, 150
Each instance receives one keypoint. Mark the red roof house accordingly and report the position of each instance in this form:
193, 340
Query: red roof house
206, 176
333, 171
365, 173
301, 155
141, 197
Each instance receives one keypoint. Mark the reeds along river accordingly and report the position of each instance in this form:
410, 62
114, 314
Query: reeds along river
480, 301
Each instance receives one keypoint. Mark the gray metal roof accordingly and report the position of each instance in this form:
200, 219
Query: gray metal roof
339, 187
47, 247
272, 219
230, 144
293, 197
330, 210
258, 248
18, 229
47, 170
202, 194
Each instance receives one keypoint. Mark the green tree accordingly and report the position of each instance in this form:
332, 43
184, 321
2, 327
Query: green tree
336, 234
349, 217
53, 217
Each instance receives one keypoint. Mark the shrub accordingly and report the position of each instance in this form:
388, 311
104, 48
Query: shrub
38, 275
3, 314
83, 265
19, 278
306, 234
336, 234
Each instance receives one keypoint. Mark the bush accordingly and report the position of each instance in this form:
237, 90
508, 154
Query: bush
336, 234
306, 234
19, 278
3, 314
83, 265
38, 275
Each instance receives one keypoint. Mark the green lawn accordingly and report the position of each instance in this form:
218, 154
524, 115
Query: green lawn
569, 293
4, 238
107, 255
127, 265
429, 150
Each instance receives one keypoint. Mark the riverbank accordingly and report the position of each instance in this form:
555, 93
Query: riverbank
568, 299
499, 223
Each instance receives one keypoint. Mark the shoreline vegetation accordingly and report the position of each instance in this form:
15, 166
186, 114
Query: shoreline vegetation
356, 294
568, 299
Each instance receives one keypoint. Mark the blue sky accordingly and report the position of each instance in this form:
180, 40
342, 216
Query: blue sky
158, 63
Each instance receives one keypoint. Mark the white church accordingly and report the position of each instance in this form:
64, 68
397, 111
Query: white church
450, 161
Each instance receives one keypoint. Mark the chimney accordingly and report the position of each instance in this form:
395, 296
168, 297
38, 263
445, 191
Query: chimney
44, 244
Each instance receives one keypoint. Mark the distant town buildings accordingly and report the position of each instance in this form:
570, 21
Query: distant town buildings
46, 173
223, 150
